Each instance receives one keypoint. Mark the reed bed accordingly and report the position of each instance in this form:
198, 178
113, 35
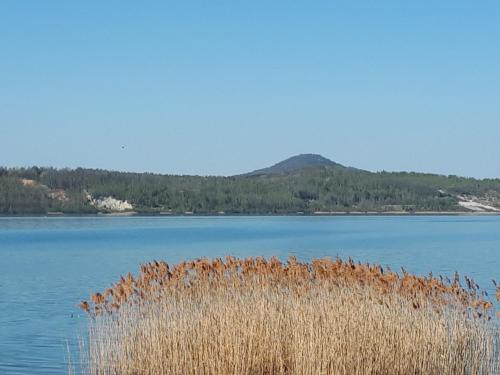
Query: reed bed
257, 316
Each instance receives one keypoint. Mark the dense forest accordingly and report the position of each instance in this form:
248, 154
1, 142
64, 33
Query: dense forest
310, 189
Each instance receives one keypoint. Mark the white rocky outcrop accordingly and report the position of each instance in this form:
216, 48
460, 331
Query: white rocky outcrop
474, 204
109, 203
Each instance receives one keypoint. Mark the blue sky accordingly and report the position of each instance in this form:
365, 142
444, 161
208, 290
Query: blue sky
216, 87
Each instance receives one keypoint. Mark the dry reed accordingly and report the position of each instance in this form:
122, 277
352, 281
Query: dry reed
258, 316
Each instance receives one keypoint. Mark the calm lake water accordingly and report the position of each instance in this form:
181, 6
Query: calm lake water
47, 265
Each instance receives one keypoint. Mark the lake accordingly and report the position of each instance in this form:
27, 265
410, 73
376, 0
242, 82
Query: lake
47, 265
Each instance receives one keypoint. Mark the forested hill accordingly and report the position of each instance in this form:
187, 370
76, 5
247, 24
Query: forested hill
294, 164
306, 184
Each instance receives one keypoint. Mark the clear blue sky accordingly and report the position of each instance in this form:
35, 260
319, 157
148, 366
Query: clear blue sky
216, 87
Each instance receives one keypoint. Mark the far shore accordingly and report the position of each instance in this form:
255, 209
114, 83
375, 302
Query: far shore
313, 214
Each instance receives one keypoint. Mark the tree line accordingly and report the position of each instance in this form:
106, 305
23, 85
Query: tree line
307, 190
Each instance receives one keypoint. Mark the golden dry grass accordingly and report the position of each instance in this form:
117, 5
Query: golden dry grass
264, 317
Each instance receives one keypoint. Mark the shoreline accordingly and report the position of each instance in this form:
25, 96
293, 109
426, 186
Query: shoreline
314, 214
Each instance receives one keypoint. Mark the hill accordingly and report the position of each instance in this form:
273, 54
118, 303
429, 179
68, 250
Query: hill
295, 163
307, 184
